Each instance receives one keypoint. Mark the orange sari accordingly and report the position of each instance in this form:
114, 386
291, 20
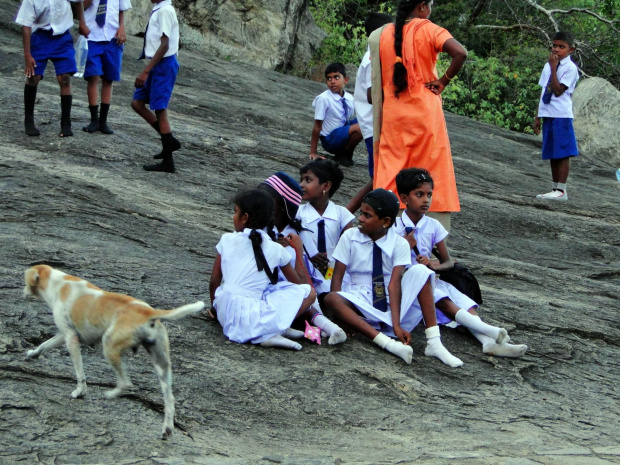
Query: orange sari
413, 129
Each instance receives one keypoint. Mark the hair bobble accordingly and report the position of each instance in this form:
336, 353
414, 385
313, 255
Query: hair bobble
398, 60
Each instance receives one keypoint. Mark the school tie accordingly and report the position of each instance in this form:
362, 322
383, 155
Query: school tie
101, 11
143, 54
546, 98
321, 232
345, 107
379, 299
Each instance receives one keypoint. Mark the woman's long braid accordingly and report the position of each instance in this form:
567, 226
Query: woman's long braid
399, 78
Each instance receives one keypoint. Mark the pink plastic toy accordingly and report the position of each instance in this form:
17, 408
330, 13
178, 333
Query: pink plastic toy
313, 333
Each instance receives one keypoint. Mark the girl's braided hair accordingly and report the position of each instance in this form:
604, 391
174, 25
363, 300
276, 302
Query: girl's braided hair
405, 7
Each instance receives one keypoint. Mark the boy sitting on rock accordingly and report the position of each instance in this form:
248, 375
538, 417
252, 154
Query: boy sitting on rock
334, 124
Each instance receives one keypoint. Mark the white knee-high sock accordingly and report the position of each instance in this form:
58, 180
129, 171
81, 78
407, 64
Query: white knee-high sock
463, 317
280, 341
395, 347
293, 333
489, 346
334, 332
434, 348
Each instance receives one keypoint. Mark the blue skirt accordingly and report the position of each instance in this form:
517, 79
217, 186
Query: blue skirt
558, 139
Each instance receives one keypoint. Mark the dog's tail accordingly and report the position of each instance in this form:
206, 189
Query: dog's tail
179, 312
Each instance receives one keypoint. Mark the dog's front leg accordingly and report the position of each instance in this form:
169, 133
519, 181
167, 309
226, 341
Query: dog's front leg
47, 345
73, 344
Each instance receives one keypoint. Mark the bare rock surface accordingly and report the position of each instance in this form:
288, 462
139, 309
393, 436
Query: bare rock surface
597, 119
549, 272
274, 34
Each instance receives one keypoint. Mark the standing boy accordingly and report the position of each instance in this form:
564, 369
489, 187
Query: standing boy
155, 83
363, 107
106, 21
558, 80
333, 123
46, 36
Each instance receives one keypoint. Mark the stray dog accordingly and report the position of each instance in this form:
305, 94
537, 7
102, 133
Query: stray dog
84, 313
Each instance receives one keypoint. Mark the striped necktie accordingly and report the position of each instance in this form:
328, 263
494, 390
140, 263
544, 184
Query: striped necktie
101, 11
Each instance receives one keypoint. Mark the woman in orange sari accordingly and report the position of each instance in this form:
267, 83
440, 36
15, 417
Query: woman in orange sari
413, 129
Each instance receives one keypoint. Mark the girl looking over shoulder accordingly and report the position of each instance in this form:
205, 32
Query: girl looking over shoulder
381, 301
326, 221
415, 187
248, 306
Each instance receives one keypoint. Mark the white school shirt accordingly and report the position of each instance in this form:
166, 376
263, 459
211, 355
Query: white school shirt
336, 219
239, 267
562, 106
111, 25
427, 233
355, 251
163, 21
55, 15
363, 109
329, 109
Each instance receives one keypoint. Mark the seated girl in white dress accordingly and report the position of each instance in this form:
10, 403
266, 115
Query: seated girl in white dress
286, 194
380, 300
415, 187
244, 297
326, 221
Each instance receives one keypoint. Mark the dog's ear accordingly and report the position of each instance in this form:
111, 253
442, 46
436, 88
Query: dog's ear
32, 282
32, 277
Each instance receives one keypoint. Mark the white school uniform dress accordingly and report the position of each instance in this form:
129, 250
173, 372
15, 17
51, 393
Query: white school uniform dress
355, 251
248, 307
329, 109
336, 219
315, 275
427, 233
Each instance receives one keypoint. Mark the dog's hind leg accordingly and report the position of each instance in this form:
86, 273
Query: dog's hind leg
56, 341
113, 352
159, 350
73, 344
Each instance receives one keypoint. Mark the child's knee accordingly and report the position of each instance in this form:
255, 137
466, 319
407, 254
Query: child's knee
33, 81
64, 80
137, 105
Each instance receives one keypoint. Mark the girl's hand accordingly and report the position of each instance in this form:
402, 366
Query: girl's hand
320, 261
422, 260
295, 242
411, 239
436, 86
212, 313
402, 335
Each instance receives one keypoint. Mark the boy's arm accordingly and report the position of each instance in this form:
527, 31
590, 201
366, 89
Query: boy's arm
28, 59
536, 126
120, 35
314, 141
78, 10
556, 86
159, 54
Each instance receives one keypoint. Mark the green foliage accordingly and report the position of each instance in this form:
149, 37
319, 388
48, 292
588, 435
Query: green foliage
488, 90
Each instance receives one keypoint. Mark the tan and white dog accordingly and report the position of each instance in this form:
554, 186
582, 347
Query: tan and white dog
84, 313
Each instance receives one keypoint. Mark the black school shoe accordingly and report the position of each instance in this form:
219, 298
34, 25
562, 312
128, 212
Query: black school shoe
165, 166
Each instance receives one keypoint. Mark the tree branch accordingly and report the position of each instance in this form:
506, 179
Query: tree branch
516, 26
609, 22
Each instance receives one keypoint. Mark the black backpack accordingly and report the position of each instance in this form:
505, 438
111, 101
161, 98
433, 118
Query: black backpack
463, 279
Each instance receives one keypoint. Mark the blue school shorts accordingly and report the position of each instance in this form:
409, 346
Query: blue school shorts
44, 46
558, 139
158, 87
336, 140
371, 160
104, 59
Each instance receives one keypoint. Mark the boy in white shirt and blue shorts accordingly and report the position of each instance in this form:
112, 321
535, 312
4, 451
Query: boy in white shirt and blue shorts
334, 122
45, 30
106, 21
155, 83
558, 80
